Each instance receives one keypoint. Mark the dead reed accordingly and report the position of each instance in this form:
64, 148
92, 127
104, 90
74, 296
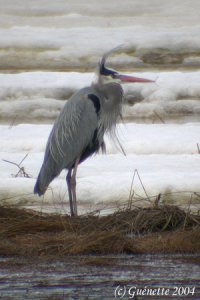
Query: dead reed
162, 229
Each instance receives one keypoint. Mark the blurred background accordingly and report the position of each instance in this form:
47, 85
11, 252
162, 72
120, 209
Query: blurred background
157, 37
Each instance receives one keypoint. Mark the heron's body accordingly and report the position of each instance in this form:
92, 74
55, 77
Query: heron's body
79, 129
77, 133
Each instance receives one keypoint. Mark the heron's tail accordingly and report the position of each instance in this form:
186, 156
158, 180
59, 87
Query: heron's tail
39, 188
44, 179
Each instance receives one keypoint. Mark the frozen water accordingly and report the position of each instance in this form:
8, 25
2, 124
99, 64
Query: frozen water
73, 34
39, 96
160, 40
165, 156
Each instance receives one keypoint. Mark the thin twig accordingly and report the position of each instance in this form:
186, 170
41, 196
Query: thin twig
157, 200
23, 159
132, 192
12, 123
11, 162
120, 145
159, 117
142, 185
21, 171
198, 148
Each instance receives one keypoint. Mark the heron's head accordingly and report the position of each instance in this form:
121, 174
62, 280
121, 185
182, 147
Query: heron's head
107, 75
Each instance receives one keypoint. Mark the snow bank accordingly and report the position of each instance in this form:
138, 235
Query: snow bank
165, 156
74, 34
39, 96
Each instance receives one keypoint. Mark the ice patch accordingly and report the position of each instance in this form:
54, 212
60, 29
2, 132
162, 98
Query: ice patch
166, 157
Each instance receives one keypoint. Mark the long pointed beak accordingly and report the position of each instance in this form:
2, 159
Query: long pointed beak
126, 78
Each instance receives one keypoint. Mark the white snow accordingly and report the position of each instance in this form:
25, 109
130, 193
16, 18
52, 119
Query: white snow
164, 155
34, 96
75, 33
161, 133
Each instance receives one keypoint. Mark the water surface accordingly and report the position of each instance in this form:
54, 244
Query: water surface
98, 277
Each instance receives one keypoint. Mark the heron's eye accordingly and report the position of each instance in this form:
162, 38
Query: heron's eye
114, 75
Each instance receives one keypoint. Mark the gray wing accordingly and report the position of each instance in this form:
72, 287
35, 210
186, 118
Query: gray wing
72, 132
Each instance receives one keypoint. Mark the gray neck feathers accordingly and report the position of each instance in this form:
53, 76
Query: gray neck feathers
111, 97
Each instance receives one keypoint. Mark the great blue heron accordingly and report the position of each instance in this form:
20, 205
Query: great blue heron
79, 129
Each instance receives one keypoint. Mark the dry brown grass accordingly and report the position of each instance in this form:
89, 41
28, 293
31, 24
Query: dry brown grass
164, 229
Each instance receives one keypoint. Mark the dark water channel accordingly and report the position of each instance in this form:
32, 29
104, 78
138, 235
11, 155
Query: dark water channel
101, 277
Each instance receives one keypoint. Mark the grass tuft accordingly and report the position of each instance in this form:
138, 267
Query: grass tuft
160, 229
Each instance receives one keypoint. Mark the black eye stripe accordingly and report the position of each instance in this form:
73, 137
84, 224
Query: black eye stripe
107, 72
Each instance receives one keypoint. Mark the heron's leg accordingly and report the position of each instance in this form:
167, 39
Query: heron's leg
68, 179
73, 185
